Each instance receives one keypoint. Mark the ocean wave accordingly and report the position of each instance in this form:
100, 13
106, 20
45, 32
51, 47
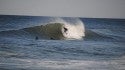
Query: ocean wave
56, 29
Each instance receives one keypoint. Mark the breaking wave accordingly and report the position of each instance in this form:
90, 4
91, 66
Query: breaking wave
61, 29
56, 29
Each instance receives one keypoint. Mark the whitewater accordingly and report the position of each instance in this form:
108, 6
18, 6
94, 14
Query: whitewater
61, 43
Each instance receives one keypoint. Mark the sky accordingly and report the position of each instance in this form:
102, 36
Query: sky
65, 8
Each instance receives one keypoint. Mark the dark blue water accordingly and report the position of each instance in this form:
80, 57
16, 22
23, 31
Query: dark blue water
103, 47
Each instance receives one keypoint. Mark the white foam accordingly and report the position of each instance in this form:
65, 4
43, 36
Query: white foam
75, 31
53, 64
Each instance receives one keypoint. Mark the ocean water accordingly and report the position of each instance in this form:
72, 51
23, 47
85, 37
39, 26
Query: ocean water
102, 48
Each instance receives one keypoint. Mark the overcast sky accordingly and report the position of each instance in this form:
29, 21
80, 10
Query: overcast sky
66, 8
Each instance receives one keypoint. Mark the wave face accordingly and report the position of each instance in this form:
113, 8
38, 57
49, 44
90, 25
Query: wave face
51, 43
56, 31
